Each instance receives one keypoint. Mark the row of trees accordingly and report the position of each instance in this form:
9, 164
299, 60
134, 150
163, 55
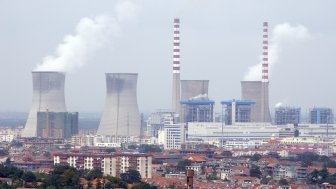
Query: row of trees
66, 177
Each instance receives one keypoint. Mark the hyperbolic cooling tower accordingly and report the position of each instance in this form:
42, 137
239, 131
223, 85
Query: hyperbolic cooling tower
194, 88
121, 114
48, 95
257, 91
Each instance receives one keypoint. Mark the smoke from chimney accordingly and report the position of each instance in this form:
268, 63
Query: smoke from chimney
91, 34
281, 35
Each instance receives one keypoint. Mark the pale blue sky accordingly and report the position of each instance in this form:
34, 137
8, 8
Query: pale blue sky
219, 41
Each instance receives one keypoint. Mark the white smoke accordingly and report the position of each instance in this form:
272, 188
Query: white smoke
91, 34
282, 35
282, 103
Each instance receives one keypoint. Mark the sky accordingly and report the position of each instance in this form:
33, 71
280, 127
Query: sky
220, 41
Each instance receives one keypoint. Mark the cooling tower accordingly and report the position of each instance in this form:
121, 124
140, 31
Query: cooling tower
121, 114
194, 88
258, 92
48, 95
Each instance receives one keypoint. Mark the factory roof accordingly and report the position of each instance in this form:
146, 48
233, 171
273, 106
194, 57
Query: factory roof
197, 102
238, 102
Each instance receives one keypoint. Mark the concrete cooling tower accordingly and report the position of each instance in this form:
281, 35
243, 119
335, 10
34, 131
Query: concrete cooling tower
194, 88
48, 95
258, 92
121, 114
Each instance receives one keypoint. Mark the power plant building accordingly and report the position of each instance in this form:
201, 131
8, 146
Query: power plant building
201, 110
258, 92
236, 111
287, 115
194, 89
48, 96
321, 116
157, 120
121, 114
57, 124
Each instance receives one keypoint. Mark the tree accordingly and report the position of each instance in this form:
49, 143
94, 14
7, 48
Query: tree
255, 171
307, 158
141, 186
265, 180
283, 182
146, 148
110, 150
29, 177
94, 173
256, 157
182, 164
131, 176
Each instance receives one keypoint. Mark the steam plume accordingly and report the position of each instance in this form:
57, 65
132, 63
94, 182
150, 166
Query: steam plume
281, 36
91, 33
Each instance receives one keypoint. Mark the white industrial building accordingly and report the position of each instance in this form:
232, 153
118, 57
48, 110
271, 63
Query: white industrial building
173, 136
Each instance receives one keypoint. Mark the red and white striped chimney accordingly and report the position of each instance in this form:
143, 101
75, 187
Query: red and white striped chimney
265, 53
176, 55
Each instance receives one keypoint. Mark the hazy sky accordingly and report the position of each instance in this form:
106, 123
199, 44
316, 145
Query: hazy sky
220, 40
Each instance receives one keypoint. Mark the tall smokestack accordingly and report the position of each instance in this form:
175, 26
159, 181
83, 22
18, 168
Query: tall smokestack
48, 95
176, 96
258, 90
121, 114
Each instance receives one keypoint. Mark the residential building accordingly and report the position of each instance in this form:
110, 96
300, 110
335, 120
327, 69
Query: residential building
174, 136
109, 163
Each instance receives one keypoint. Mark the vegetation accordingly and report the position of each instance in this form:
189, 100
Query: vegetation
256, 157
148, 148
182, 164
255, 171
66, 177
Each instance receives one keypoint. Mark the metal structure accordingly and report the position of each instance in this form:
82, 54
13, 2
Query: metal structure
236, 111
48, 96
197, 110
121, 113
258, 90
321, 116
287, 115
176, 95
57, 124
194, 89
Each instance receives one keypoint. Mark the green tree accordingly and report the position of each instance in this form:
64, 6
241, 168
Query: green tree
131, 176
283, 182
29, 177
256, 157
146, 148
94, 173
110, 150
182, 164
70, 178
307, 158
255, 171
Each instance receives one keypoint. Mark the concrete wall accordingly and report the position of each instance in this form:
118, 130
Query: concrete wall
121, 113
257, 91
192, 88
48, 94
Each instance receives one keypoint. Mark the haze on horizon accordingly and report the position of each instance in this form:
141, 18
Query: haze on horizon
220, 40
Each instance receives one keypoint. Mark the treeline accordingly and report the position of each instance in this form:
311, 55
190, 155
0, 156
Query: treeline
66, 177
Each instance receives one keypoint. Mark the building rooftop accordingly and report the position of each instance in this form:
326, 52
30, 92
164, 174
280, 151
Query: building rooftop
238, 102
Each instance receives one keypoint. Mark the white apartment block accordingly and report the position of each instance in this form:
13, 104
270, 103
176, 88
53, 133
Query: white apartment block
174, 136
110, 164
